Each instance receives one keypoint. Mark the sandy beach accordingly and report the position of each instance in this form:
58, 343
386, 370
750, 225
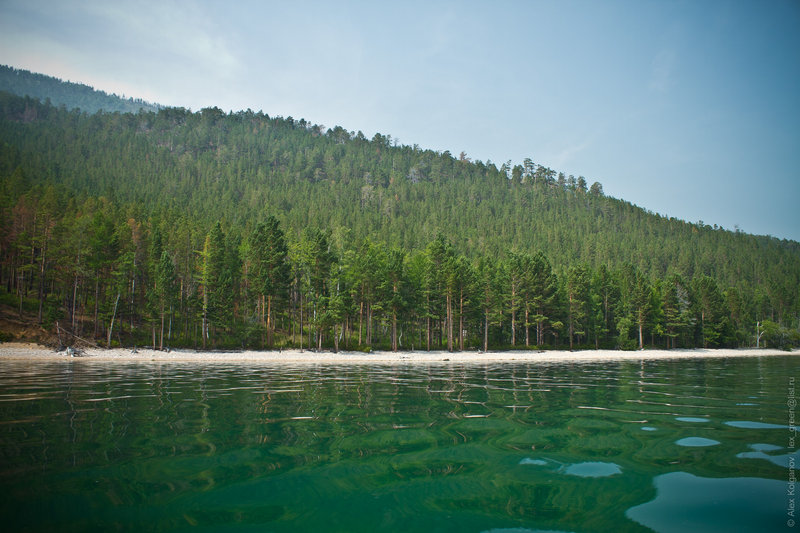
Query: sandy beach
33, 352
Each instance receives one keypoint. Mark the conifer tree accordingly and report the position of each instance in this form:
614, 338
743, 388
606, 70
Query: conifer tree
710, 310
166, 292
543, 293
268, 270
577, 292
676, 305
218, 284
395, 289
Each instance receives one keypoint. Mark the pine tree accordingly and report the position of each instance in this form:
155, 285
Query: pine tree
676, 306
710, 309
395, 288
268, 270
166, 292
218, 284
543, 293
577, 292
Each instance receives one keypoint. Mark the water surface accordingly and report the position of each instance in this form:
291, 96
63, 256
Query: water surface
609, 446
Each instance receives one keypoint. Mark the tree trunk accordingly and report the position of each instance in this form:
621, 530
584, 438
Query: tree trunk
301, 322
74, 301
449, 323
111, 328
394, 332
641, 339
527, 328
486, 330
369, 324
270, 325
428, 329
461, 322
21, 282
133, 292
703, 327
513, 317
161, 335
204, 331
539, 327
571, 330
360, 321
41, 278
96, 301
261, 307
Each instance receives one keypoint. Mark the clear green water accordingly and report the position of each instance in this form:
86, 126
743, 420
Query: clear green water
699, 445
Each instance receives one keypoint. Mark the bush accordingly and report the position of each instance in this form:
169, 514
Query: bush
777, 336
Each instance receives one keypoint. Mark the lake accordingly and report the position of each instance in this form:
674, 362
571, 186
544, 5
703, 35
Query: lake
664, 445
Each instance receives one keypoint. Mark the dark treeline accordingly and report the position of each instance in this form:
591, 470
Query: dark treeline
220, 230
102, 272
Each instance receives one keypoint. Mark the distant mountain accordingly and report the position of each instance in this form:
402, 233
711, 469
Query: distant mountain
71, 95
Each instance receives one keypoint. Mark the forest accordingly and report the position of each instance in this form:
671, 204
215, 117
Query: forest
207, 230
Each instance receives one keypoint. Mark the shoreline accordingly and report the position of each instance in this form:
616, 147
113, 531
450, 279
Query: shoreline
38, 353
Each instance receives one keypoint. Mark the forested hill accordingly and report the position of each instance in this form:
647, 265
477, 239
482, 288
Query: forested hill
70, 95
236, 167
181, 172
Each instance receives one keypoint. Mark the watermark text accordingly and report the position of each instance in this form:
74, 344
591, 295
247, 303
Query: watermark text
791, 403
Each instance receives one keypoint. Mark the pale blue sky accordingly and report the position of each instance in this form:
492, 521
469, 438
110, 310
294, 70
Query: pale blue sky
689, 109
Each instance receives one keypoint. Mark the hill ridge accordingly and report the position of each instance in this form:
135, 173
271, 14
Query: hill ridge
70, 94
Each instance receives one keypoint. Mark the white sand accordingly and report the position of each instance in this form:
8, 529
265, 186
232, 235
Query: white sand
32, 352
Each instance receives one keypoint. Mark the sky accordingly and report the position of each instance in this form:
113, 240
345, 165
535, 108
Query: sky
690, 109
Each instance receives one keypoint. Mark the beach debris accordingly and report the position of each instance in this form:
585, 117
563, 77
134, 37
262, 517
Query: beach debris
77, 340
74, 352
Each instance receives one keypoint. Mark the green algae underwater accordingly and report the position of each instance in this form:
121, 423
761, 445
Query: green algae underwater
662, 445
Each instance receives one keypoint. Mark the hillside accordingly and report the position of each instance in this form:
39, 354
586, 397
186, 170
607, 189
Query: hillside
177, 173
70, 95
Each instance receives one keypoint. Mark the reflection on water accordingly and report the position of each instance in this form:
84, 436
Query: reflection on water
696, 442
784, 460
593, 469
691, 503
748, 424
499, 447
